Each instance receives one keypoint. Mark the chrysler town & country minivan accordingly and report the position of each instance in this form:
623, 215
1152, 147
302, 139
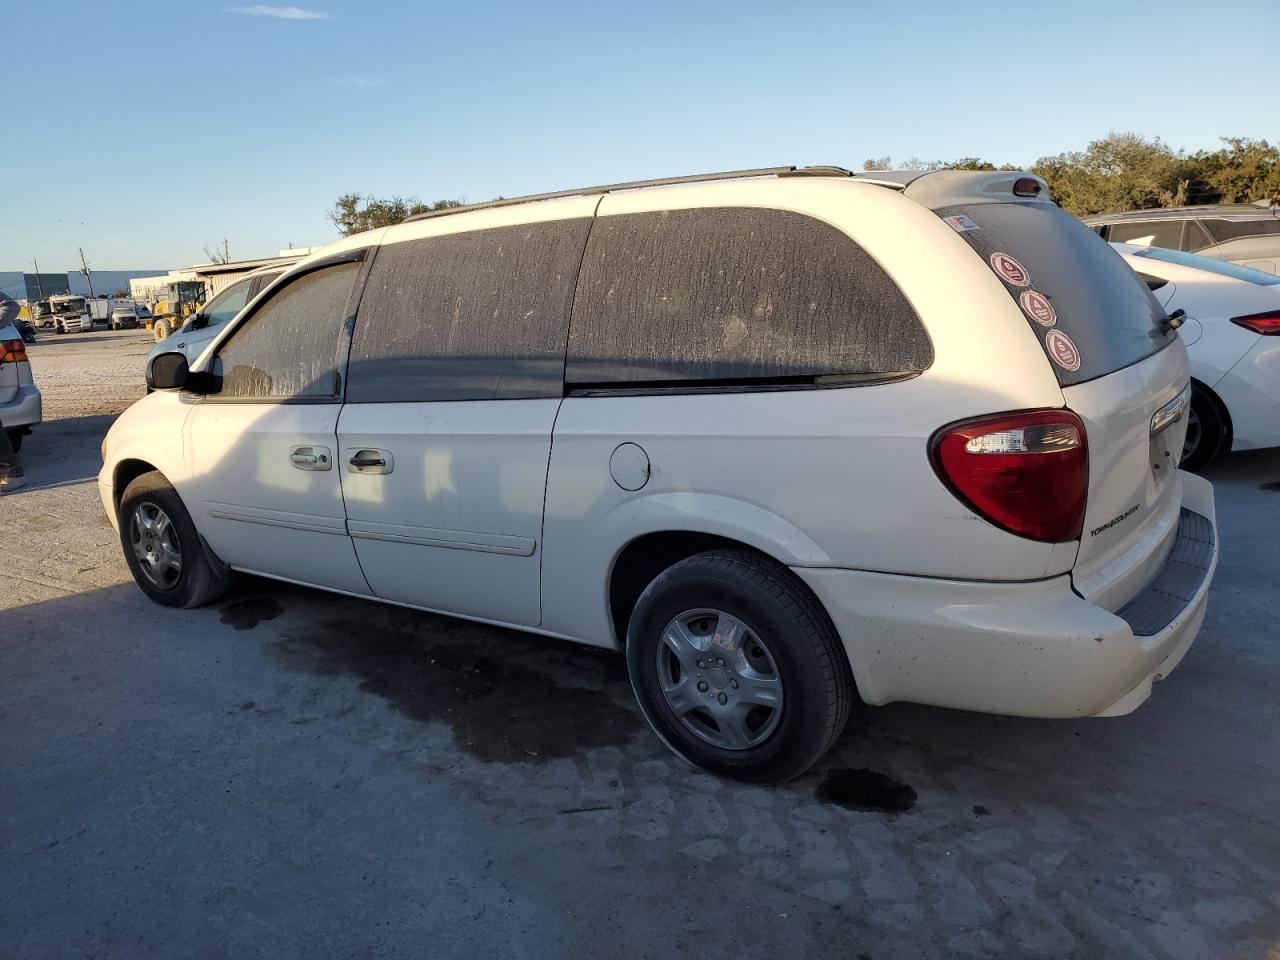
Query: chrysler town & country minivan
789, 438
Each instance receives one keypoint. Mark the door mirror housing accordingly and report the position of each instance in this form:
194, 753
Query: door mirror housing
168, 371
199, 321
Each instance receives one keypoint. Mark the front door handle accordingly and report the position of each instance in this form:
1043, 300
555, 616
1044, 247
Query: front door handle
369, 460
311, 458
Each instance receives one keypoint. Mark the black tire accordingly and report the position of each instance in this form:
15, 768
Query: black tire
800, 646
201, 577
1207, 431
15, 439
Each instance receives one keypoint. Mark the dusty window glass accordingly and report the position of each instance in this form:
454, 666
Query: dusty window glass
732, 294
289, 347
480, 315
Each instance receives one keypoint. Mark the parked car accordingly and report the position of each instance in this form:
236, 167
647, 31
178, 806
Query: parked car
123, 318
787, 437
1232, 333
1243, 233
206, 323
20, 403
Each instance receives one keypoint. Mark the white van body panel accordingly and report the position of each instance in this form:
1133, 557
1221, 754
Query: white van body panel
457, 523
259, 511
149, 431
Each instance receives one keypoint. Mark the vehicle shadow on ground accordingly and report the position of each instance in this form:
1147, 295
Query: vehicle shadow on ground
63, 451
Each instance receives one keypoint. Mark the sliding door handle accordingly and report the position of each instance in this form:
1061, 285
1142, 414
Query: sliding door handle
369, 460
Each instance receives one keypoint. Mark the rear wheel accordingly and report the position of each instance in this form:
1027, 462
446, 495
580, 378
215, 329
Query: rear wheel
737, 668
15, 439
1206, 431
164, 553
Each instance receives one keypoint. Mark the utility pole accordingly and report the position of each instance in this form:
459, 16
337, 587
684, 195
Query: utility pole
39, 285
88, 274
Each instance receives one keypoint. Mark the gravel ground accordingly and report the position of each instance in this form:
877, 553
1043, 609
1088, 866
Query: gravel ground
295, 773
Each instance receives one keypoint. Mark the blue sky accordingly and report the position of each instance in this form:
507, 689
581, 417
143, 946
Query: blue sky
174, 125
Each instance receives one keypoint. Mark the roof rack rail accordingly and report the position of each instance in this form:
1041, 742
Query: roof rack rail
820, 171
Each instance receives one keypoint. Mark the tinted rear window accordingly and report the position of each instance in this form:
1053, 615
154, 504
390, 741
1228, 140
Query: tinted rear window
1223, 230
1100, 318
739, 294
468, 316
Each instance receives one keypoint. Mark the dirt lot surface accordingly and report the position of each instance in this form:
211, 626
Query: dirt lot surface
290, 773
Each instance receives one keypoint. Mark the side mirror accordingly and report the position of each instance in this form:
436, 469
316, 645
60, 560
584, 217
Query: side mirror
167, 371
199, 321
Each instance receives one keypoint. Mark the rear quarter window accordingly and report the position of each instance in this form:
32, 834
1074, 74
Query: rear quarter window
1102, 317
734, 296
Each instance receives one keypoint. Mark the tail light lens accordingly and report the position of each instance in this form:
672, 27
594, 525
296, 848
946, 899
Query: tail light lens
1267, 324
12, 350
1025, 472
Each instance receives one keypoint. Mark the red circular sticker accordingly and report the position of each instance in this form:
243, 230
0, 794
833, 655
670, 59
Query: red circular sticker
1062, 350
1038, 307
1010, 269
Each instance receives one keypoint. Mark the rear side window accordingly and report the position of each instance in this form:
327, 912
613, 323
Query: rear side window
730, 294
1224, 230
288, 348
1148, 233
1092, 313
468, 316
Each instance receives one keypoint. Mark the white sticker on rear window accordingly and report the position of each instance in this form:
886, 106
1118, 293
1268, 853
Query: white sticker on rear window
1038, 307
1010, 270
1062, 350
960, 223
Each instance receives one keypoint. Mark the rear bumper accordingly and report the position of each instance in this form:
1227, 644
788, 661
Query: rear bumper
1033, 649
24, 410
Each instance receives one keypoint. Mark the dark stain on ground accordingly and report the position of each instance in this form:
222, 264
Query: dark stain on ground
864, 789
248, 613
1273, 486
980, 811
472, 677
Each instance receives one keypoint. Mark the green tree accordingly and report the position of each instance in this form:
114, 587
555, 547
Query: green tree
1122, 171
353, 213
1243, 171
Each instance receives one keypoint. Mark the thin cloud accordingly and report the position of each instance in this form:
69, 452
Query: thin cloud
280, 13
360, 83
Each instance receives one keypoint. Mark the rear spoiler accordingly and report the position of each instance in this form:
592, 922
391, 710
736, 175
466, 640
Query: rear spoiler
948, 188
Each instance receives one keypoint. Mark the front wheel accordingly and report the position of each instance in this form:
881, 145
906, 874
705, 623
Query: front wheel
164, 553
161, 329
737, 668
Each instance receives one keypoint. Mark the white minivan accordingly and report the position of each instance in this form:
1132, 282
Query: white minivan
787, 437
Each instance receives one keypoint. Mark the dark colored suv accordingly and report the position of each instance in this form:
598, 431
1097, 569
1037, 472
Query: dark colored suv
1243, 233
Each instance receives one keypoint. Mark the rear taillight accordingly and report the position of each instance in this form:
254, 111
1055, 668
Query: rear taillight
1267, 324
1026, 472
12, 350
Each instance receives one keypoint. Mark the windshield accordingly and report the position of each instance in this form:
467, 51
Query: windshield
69, 306
1091, 313
1220, 267
41, 309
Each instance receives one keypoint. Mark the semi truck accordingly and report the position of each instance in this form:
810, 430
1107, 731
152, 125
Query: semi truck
70, 313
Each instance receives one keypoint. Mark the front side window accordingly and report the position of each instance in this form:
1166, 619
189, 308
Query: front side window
735, 294
1148, 233
289, 347
226, 304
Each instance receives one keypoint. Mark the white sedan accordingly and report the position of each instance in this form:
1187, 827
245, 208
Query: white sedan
1232, 334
